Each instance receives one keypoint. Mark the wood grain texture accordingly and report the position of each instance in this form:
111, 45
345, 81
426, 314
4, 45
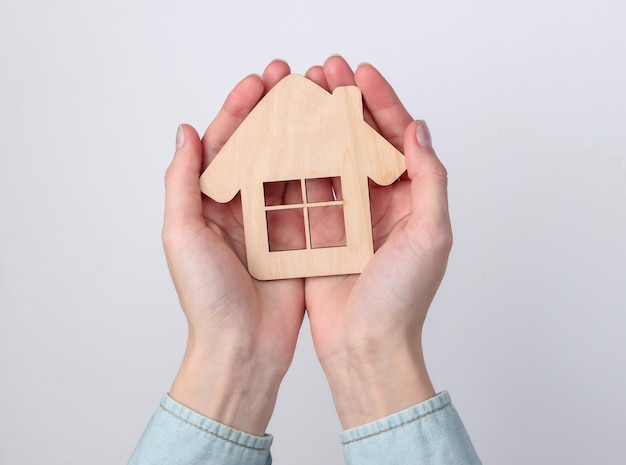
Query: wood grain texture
299, 131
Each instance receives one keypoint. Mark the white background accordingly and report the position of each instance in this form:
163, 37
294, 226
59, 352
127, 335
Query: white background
526, 102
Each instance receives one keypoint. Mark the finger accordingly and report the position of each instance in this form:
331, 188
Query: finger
338, 73
183, 200
316, 74
319, 190
325, 189
275, 71
237, 106
429, 185
282, 192
384, 105
272, 75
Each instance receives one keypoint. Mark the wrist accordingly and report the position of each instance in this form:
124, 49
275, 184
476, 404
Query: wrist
367, 386
238, 389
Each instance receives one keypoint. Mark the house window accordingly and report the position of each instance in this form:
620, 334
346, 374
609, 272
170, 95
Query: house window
305, 214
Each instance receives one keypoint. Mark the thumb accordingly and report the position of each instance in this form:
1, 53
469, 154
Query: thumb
429, 185
183, 200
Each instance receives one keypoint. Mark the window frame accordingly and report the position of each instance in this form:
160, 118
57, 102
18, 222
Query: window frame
304, 206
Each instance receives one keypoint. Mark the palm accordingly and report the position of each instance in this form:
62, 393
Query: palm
339, 304
272, 308
342, 306
206, 252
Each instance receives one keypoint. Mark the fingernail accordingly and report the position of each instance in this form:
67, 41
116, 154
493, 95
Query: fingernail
180, 137
423, 135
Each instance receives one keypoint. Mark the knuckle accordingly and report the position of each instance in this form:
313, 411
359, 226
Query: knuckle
436, 239
168, 237
169, 174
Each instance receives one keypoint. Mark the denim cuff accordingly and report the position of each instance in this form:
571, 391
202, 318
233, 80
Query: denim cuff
428, 433
219, 431
178, 435
397, 420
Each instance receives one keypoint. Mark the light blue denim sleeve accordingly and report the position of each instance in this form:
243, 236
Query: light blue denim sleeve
177, 435
429, 433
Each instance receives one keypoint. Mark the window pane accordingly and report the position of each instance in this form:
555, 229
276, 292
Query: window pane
282, 192
323, 189
327, 226
285, 229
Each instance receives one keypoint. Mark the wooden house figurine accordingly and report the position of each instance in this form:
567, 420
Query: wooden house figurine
317, 146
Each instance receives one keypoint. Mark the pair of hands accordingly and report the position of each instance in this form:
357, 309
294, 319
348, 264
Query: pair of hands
366, 328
